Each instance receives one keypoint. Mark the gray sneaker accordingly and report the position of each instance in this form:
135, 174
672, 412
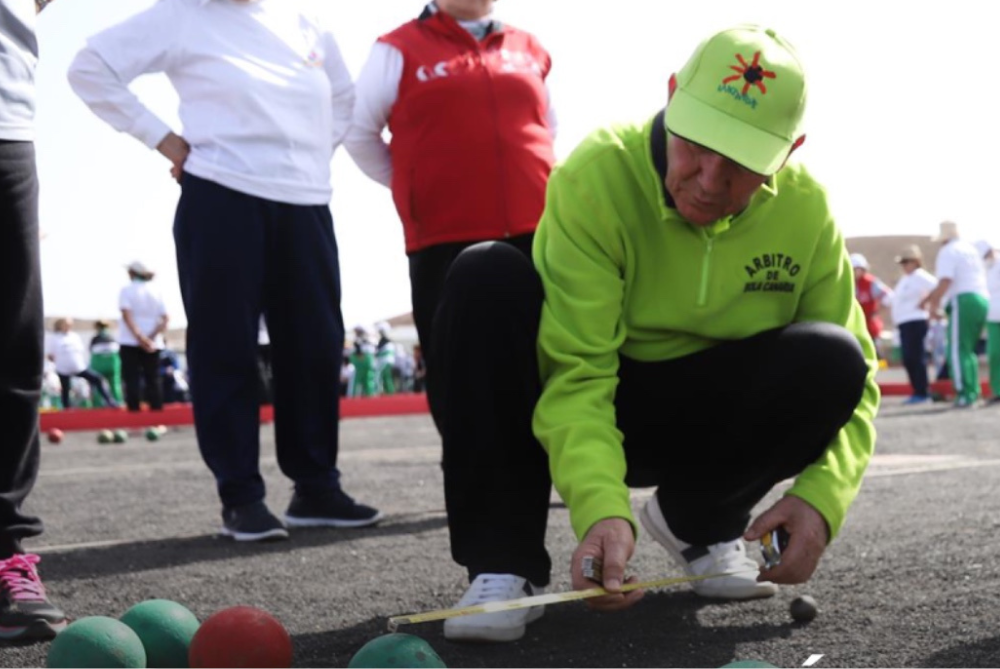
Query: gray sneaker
252, 522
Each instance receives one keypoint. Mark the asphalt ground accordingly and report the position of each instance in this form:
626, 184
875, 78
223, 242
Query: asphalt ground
912, 581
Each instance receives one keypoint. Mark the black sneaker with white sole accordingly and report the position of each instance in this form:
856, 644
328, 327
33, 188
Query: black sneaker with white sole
252, 522
329, 508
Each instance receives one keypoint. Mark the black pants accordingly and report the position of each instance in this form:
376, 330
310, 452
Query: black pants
239, 256
911, 341
97, 383
428, 269
21, 341
141, 373
714, 431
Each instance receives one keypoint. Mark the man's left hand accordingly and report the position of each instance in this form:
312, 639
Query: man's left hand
808, 536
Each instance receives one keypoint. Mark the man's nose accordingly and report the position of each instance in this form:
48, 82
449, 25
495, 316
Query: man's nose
715, 174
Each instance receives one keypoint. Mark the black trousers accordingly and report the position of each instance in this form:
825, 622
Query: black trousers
98, 384
141, 374
21, 341
239, 256
911, 341
714, 431
428, 269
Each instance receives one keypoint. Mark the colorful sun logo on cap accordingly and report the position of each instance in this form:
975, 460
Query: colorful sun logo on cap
752, 74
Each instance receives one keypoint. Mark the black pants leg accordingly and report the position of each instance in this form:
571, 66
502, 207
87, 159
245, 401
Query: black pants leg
762, 410
131, 375
21, 341
149, 361
428, 269
496, 475
911, 340
99, 385
65, 386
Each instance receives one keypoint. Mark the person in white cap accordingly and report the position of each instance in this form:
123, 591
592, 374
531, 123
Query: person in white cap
962, 291
912, 320
989, 256
265, 100
871, 292
687, 278
143, 321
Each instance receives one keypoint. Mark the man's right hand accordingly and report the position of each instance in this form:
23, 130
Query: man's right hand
612, 542
176, 149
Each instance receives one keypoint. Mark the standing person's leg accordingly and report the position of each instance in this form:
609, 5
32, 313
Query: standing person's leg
131, 375
786, 393
302, 302
993, 354
968, 318
911, 339
65, 385
153, 380
220, 240
497, 483
99, 384
24, 609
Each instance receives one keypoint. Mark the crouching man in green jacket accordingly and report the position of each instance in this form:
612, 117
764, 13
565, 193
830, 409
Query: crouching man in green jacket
688, 323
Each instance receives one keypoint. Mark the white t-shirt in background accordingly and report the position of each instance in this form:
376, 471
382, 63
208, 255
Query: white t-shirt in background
909, 292
959, 261
68, 352
147, 308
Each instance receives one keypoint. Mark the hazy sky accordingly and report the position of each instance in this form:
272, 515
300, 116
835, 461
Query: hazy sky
901, 127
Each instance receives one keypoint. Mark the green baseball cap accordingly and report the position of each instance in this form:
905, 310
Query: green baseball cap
741, 94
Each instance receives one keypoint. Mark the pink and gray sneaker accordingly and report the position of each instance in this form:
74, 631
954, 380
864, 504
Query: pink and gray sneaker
25, 611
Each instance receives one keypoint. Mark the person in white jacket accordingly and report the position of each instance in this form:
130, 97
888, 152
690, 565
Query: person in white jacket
912, 320
265, 100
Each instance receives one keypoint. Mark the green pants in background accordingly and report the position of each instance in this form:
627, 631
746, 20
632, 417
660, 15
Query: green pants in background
966, 320
993, 355
108, 365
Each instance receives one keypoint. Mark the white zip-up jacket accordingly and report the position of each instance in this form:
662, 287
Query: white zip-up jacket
265, 96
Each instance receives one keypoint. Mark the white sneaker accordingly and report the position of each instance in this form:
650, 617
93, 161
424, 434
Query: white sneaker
727, 556
499, 625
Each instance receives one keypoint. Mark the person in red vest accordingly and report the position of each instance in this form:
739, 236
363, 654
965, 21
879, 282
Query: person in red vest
871, 293
465, 100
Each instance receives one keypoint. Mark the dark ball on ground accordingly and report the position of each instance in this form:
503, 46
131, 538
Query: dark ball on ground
55, 435
803, 609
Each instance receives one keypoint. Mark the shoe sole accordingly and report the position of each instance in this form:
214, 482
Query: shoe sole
296, 521
471, 634
270, 535
647, 522
39, 629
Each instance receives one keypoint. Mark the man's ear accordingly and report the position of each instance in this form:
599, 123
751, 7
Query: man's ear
671, 87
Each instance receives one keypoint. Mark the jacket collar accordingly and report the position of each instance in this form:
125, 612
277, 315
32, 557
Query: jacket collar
447, 21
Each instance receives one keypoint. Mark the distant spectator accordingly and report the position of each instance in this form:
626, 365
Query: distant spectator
363, 359
265, 373
172, 377
104, 358
67, 351
385, 361
140, 337
989, 256
870, 292
346, 374
419, 370
912, 320
962, 289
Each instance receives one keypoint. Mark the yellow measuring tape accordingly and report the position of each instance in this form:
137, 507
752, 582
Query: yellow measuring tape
539, 600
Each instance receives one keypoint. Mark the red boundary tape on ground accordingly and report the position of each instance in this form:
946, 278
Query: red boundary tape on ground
944, 388
180, 414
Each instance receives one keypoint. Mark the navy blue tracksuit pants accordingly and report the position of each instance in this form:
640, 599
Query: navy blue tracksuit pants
240, 256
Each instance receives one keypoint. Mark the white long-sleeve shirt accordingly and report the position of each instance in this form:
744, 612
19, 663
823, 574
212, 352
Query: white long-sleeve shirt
910, 291
993, 286
18, 57
376, 91
265, 96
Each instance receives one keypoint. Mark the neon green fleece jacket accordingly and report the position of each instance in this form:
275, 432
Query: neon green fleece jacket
624, 273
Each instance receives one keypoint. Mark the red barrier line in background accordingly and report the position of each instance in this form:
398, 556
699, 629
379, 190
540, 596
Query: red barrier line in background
366, 407
180, 414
